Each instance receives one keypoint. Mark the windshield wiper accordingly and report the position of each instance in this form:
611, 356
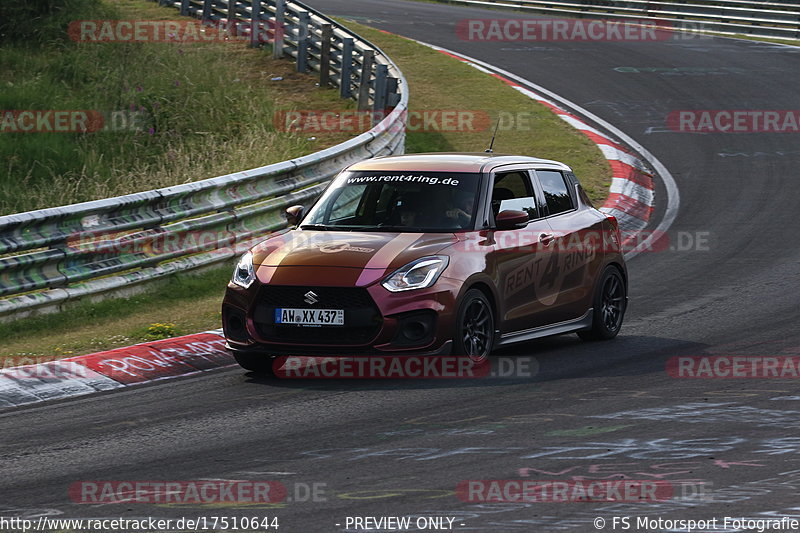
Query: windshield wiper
321, 227
382, 227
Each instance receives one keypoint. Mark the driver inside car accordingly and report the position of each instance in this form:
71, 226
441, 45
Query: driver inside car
460, 209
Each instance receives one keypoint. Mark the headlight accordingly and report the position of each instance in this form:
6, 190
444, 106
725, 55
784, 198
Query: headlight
244, 274
417, 274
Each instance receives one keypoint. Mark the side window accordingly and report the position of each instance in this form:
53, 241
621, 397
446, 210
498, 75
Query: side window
512, 190
556, 193
573, 181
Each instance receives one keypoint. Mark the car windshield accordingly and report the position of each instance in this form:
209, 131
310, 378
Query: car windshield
405, 201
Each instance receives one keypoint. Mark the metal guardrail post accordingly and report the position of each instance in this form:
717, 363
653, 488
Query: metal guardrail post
366, 74
256, 27
325, 55
184, 8
303, 40
379, 101
392, 95
233, 30
280, 28
345, 91
206, 9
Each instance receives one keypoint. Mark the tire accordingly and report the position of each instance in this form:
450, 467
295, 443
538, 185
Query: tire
610, 301
474, 336
258, 363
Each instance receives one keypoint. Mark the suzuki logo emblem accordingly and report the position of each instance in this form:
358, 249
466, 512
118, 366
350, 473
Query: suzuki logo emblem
311, 298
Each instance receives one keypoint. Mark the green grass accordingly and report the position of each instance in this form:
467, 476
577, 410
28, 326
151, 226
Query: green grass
193, 303
43, 22
197, 110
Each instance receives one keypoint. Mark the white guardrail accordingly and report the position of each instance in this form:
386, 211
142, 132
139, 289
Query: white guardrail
99, 248
773, 18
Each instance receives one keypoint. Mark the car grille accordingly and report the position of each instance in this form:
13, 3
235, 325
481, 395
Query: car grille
361, 316
329, 297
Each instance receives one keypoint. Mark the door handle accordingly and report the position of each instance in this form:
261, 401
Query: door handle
546, 238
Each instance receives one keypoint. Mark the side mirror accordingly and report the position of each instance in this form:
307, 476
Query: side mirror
510, 219
294, 214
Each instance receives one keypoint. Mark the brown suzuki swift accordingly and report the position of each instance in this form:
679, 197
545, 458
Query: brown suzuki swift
430, 254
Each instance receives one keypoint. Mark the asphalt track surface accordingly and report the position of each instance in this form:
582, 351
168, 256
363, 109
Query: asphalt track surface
399, 448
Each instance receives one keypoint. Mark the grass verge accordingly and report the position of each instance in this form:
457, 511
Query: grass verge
192, 303
174, 112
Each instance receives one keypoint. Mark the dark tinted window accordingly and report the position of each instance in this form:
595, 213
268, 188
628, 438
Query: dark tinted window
572, 179
512, 191
556, 193
397, 201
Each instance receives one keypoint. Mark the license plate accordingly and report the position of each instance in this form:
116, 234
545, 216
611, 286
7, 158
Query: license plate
309, 317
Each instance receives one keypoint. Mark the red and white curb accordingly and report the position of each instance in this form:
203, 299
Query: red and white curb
631, 197
113, 369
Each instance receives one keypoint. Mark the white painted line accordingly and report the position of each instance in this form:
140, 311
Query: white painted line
532, 95
614, 154
632, 189
581, 125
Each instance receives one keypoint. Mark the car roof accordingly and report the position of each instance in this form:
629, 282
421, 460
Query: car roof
452, 162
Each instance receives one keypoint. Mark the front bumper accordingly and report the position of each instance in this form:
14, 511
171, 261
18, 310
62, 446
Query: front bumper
272, 351
382, 321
